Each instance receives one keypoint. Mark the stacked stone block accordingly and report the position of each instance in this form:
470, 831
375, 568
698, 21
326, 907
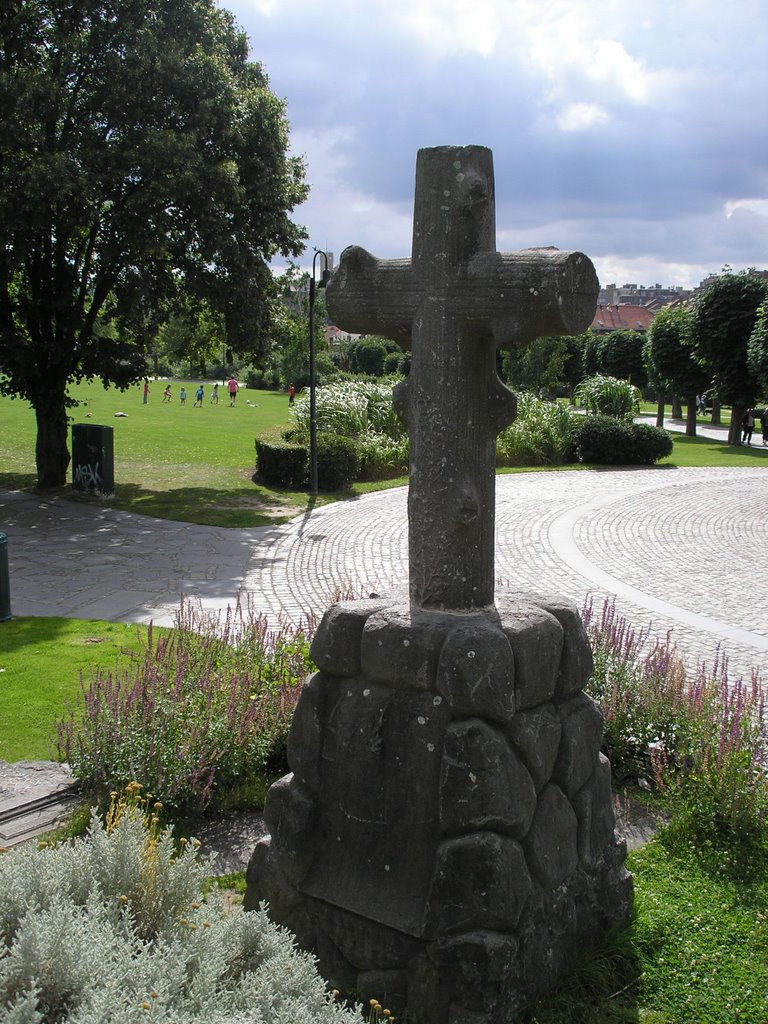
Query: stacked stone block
445, 840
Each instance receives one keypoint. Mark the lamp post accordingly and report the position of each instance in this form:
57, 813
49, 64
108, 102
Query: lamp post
312, 383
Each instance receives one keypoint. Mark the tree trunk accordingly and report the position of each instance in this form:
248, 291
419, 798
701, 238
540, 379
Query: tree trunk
734, 433
677, 408
690, 417
716, 412
51, 451
660, 409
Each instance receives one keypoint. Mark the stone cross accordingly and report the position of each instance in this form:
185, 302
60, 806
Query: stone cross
453, 304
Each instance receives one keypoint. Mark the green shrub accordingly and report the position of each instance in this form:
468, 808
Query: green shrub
605, 440
115, 927
609, 396
338, 463
200, 712
280, 462
381, 457
542, 434
701, 739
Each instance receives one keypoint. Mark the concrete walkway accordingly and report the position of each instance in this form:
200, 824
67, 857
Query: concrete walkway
685, 548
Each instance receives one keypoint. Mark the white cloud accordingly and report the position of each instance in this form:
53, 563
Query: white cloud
578, 116
759, 207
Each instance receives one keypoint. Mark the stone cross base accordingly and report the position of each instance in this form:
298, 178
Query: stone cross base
445, 841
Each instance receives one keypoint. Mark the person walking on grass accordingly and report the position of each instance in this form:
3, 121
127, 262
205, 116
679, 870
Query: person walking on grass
291, 394
183, 396
167, 394
146, 390
215, 394
232, 387
199, 395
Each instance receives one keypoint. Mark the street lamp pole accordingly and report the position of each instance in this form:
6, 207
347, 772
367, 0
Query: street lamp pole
326, 276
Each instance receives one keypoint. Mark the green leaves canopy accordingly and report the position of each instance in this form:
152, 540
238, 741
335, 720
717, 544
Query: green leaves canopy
142, 156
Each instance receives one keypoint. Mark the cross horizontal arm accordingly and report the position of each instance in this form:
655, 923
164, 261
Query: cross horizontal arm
528, 294
367, 295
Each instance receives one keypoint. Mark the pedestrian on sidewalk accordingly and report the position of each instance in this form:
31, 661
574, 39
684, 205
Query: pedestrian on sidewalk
747, 426
764, 425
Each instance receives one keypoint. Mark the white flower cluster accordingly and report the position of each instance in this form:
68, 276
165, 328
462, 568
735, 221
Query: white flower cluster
114, 928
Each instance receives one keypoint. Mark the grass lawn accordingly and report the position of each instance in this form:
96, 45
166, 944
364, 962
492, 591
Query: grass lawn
697, 951
40, 664
183, 463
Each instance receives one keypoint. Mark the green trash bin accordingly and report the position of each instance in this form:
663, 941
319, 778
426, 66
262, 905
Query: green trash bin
93, 459
5, 581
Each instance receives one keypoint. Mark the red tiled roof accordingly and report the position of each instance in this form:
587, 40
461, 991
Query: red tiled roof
622, 318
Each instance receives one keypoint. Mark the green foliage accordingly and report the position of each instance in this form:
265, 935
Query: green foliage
669, 354
621, 355
281, 462
338, 462
144, 157
723, 317
605, 440
116, 927
546, 366
542, 434
757, 350
609, 396
368, 355
200, 710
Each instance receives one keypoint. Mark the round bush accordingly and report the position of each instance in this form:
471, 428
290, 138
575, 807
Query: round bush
607, 441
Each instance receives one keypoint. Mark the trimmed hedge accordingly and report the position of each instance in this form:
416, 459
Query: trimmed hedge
605, 440
281, 463
338, 462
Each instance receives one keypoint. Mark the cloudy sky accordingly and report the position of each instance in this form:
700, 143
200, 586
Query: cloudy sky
636, 132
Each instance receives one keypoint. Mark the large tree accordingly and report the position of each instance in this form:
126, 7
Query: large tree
671, 361
723, 316
142, 157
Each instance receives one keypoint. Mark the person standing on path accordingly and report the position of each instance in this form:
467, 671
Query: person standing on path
199, 395
232, 387
747, 426
146, 390
764, 424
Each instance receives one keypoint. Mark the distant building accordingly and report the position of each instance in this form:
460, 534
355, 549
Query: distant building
639, 295
624, 317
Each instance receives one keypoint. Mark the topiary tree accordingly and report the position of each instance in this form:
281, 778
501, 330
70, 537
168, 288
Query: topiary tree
669, 354
723, 317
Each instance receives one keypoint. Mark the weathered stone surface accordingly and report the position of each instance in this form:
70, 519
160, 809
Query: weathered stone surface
483, 784
576, 662
429, 991
550, 846
336, 644
594, 811
535, 736
379, 779
476, 671
480, 881
579, 743
290, 814
401, 645
305, 733
536, 639
478, 964
389, 987
365, 944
